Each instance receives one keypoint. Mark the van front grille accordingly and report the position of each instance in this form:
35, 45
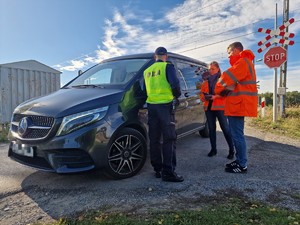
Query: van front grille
37, 127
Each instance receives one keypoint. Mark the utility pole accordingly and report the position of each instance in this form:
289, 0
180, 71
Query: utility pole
283, 68
275, 77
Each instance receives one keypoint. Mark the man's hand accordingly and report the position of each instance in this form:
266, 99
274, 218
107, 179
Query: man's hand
175, 102
225, 92
208, 97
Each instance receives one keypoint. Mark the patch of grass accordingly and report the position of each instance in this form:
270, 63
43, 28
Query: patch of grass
296, 196
234, 211
3, 133
289, 125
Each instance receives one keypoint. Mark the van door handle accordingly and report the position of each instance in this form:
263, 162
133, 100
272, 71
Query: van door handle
186, 94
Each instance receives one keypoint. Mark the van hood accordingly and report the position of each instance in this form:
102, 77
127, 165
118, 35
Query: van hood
70, 101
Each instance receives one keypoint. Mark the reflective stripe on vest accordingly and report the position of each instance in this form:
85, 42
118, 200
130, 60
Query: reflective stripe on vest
217, 107
242, 93
248, 82
233, 78
213, 107
217, 104
250, 68
231, 88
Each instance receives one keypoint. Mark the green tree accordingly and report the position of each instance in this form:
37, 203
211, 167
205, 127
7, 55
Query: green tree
292, 99
269, 98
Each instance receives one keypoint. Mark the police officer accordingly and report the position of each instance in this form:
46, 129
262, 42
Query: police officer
163, 89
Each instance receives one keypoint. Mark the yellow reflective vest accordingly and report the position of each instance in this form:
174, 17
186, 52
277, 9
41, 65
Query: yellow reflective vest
157, 86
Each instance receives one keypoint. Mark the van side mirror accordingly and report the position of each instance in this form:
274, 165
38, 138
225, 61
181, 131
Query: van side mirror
80, 72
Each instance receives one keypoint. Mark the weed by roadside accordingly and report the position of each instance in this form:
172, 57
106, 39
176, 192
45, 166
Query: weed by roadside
3, 133
234, 211
289, 125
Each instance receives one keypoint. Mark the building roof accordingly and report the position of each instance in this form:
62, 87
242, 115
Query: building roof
30, 65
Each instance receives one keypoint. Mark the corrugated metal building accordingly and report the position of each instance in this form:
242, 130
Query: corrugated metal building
20, 81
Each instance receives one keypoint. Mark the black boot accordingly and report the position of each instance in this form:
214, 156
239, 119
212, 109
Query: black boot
157, 174
212, 153
230, 155
172, 177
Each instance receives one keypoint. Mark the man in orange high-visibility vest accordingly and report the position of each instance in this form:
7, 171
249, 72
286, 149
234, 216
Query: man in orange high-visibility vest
238, 84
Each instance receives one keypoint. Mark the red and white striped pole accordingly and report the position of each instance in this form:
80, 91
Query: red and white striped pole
263, 113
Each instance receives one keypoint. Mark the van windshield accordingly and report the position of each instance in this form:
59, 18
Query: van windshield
109, 73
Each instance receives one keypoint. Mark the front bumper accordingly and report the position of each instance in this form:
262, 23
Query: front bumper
78, 151
60, 161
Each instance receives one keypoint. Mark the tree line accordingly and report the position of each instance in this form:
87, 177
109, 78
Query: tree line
292, 99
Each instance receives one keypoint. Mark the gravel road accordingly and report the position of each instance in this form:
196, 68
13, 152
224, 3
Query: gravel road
28, 196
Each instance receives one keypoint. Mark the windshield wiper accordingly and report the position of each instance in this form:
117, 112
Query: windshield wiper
88, 85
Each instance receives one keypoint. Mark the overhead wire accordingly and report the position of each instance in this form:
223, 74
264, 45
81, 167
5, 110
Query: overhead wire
202, 46
190, 14
216, 42
224, 32
199, 9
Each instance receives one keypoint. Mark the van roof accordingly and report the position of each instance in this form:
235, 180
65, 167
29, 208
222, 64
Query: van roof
150, 55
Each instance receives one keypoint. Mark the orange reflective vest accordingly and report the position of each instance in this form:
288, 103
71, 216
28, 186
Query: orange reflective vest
217, 103
240, 79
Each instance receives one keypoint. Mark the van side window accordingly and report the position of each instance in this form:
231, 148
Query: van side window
190, 72
183, 84
181, 79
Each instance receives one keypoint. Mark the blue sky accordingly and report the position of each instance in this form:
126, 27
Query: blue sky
69, 35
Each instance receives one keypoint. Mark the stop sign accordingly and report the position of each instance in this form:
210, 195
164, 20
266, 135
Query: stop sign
275, 57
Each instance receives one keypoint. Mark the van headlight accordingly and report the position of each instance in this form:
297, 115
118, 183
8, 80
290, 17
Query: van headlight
78, 120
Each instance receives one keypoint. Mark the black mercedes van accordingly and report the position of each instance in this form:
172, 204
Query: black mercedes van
99, 119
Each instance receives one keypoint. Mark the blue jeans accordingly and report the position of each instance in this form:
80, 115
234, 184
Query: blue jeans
236, 124
211, 116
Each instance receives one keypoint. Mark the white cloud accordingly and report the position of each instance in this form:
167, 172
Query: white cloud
199, 29
73, 65
266, 77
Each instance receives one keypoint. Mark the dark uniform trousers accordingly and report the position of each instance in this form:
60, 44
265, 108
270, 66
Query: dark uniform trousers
161, 121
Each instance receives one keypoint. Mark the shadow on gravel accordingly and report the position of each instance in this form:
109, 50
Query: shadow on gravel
273, 177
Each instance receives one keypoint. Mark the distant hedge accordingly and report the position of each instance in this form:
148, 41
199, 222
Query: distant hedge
292, 99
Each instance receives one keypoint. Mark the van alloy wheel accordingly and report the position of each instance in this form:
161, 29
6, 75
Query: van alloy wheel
127, 154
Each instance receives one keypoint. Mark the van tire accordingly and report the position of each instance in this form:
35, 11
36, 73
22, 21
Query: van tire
126, 155
204, 132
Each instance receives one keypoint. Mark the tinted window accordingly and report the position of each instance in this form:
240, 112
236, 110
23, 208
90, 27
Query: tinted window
191, 74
